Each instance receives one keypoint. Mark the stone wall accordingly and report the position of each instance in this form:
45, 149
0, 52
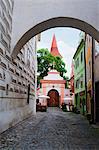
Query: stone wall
15, 78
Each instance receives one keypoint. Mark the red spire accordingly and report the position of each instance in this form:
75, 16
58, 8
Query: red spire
54, 49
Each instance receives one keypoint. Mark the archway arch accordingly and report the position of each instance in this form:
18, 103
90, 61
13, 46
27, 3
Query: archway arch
52, 23
54, 98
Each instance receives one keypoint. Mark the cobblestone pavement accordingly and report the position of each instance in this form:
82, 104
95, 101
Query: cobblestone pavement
51, 130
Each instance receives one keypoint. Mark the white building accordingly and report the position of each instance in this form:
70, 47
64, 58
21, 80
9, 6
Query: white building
6, 12
53, 85
17, 77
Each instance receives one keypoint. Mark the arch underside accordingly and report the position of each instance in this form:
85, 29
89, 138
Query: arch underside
52, 23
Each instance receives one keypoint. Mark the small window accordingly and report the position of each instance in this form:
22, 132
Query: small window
81, 81
81, 57
81, 84
77, 84
78, 62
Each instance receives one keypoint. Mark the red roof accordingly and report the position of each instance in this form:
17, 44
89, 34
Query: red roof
54, 49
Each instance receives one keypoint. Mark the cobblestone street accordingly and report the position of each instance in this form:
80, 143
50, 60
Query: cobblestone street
51, 130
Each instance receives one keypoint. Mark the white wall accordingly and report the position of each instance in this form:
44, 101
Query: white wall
13, 105
53, 75
28, 13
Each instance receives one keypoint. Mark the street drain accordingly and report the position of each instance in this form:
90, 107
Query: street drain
73, 124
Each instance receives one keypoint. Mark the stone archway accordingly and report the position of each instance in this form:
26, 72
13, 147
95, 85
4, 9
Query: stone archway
45, 14
52, 23
54, 98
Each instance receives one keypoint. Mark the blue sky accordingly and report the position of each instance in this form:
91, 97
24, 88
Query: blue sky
67, 42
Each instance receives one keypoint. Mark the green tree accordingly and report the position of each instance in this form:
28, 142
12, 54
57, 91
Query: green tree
46, 62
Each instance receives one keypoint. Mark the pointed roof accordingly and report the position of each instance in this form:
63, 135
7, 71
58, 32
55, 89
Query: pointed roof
54, 49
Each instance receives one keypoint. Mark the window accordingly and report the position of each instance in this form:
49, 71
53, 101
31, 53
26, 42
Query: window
77, 84
77, 62
81, 84
81, 81
81, 57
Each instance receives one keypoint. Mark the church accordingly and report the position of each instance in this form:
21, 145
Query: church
53, 85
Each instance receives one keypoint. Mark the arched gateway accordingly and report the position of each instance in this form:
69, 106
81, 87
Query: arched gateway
31, 17
54, 86
54, 98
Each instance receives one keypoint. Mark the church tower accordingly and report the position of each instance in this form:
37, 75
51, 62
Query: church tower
54, 49
53, 84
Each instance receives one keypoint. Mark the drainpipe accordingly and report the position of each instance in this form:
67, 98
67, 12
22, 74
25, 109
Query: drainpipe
85, 70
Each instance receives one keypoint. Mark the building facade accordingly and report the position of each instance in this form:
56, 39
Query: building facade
89, 76
96, 76
71, 80
6, 13
17, 76
71, 83
53, 85
92, 78
79, 78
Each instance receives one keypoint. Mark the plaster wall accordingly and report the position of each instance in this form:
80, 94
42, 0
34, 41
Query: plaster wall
53, 75
79, 14
14, 86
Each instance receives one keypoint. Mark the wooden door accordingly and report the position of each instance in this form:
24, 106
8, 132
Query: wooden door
54, 98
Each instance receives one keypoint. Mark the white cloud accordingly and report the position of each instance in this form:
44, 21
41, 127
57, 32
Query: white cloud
42, 45
67, 52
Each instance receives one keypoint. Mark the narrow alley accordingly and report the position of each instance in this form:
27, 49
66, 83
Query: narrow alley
51, 130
